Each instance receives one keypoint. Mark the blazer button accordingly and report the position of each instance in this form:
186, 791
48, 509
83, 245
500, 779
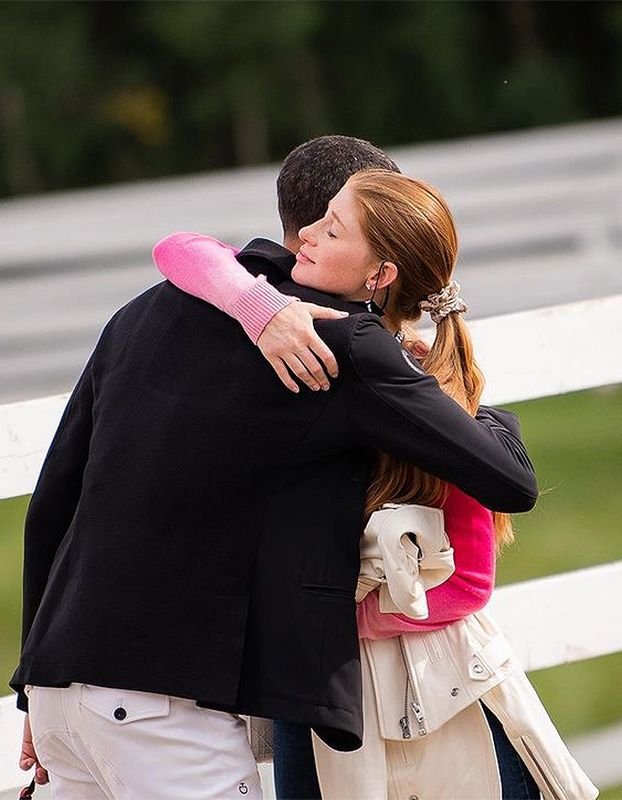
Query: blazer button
120, 713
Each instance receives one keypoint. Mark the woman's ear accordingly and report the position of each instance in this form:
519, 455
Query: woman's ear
388, 274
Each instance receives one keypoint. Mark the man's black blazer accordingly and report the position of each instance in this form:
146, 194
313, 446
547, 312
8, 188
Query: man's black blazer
195, 527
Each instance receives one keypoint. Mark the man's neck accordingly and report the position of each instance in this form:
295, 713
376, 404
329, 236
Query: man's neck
292, 243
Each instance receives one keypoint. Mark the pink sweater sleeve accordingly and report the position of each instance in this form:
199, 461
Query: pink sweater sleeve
471, 532
206, 268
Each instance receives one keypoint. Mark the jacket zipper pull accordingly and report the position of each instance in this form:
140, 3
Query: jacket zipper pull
419, 717
405, 728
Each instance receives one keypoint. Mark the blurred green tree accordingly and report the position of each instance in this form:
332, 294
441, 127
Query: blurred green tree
95, 92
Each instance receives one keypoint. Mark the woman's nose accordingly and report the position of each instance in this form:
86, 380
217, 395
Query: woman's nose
305, 234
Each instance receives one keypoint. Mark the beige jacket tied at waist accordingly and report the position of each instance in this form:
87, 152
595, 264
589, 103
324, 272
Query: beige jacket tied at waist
421, 690
404, 552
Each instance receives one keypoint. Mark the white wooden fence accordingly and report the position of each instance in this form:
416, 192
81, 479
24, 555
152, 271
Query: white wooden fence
525, 355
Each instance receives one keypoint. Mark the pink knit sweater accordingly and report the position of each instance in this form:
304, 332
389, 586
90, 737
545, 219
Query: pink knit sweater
206, 268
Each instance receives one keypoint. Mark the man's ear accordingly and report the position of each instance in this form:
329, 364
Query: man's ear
388, 274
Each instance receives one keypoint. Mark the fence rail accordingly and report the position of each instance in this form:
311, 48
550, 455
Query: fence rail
549, 621
525, 355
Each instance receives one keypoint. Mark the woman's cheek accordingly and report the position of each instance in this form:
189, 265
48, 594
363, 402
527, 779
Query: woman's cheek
325, 277
304, 275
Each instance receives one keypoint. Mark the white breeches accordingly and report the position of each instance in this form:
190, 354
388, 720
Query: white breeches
113, 744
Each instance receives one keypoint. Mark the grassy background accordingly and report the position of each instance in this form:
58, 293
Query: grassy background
576, 444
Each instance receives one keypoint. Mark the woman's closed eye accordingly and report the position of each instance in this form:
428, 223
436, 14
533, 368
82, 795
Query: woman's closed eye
331, 235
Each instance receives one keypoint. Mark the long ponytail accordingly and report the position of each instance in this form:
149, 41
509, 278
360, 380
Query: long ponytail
408, 222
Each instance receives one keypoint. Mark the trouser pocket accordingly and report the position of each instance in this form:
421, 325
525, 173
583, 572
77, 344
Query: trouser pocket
122, 706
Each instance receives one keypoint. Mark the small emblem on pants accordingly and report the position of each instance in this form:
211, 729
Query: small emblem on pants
243, 788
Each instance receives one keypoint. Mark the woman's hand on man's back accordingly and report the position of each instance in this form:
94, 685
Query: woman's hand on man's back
291, 345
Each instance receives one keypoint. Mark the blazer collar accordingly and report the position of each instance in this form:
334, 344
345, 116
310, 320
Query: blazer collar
280, 256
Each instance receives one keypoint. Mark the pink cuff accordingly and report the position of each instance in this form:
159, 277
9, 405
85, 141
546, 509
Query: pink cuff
256, 306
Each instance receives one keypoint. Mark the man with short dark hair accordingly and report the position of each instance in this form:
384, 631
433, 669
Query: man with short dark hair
191, 547
315, 171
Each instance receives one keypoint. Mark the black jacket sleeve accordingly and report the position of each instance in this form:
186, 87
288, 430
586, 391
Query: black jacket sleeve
399, 409
55, 499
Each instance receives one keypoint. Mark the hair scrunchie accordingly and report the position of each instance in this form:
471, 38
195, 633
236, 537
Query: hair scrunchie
445, 302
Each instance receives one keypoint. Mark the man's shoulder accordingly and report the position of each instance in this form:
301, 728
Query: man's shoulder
138, 304
370, 348
157, 306
164, 296
358, 332
360, 326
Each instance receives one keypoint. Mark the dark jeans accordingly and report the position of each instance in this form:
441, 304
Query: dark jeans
295, 777
516, 780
